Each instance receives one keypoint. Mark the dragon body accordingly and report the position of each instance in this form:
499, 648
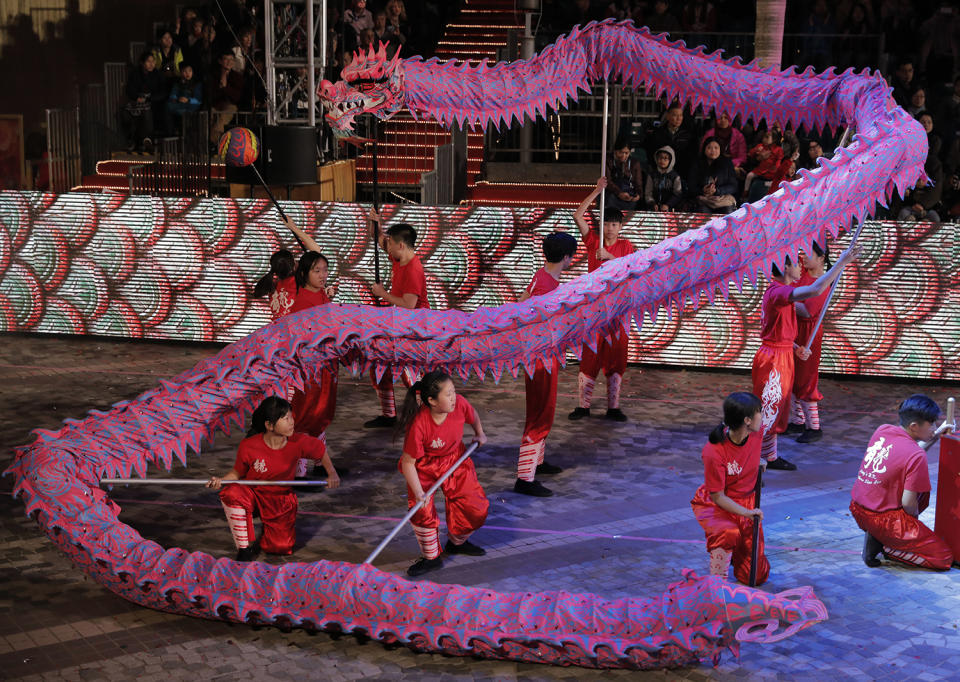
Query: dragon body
58, 474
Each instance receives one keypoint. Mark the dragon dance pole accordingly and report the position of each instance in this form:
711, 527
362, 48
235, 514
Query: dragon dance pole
415, 508
376, 205
198, 481
603, 152
826, 304
755, 548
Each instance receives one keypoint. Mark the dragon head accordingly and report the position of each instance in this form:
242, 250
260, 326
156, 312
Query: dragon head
371, 84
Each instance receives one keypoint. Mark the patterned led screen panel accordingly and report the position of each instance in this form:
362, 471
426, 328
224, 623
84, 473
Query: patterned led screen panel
184, 269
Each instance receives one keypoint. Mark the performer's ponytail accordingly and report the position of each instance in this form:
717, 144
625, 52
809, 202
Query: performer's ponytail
737, 407
428, 387
282, 266
271, 410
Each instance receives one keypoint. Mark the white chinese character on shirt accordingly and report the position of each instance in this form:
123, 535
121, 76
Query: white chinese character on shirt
260, 466
733, 468
876, 456
437, 444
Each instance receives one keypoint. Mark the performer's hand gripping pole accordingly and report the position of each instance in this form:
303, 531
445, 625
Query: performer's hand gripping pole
949, 424
833, 287
415, 508
197, 481
755, 554
376, 204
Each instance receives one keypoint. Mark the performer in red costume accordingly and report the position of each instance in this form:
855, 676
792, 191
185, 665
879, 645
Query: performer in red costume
408, 289
805, 411
316, 405
280, 284
269, 453
893, 487
432, 444
541, 388
724, 504
610, 356
773, 364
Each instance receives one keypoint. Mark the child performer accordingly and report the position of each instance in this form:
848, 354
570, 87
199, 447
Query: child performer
408, 289
316, 405
280, 284
433, 442
893, 487
269, 453
724, 503
773, 364
806, 394
541, 388
611, 356
767, 156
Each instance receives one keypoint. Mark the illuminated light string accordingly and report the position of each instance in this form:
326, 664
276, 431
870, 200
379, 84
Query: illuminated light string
694, 619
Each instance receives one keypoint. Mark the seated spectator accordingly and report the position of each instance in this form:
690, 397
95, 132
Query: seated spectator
664, 189
202, 56
366, 40
903, 82
397, 25
357, 18
226, 91
674, 133
812, 151
243, 50
918, 102
787, 168
951, 198
934, 141
185, 27
380, 34
167, 57
624, 179
713, 182
662, 20
190, 43
732, 143
923, 201
766, 155
698, 16
142, 89
940, 51
185, 96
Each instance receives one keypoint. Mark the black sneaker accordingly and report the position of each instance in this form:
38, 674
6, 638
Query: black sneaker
810, 436
616, 414
781, 464
532, 488
466, 547
424, 565
249, 553
871, 548
381, 422
547, 468
793, 427
579, 413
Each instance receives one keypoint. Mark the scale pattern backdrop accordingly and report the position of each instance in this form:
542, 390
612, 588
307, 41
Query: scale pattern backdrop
183, 269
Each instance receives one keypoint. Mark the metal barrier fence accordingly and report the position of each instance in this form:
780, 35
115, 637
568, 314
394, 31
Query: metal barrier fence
63, 148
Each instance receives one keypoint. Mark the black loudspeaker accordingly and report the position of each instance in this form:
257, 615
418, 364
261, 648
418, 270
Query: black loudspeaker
288, 156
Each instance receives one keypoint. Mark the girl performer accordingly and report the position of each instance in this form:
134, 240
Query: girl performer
316, 405
433, 442
773, 364
279, 284
806, 394
269, 453
724, 503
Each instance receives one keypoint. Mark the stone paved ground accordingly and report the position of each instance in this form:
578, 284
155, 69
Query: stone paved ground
620, 524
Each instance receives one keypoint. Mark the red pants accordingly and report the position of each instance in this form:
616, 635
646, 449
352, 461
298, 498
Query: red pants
772, 382
904, 537
278, 511
314, 408
807, 372
733, 533
610, 357
384, 388
541, 402
466, 503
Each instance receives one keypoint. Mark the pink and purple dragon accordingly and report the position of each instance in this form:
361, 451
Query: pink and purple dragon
694, 620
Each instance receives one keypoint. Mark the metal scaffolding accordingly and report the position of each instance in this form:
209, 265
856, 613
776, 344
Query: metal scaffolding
295, 37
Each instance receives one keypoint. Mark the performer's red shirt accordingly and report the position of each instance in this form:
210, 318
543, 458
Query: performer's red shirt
814, 306
410, 279
778, 318
730, 468
426, 438
894, 462
256, 461
542, 283
307, 299
283, 296
620, 248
